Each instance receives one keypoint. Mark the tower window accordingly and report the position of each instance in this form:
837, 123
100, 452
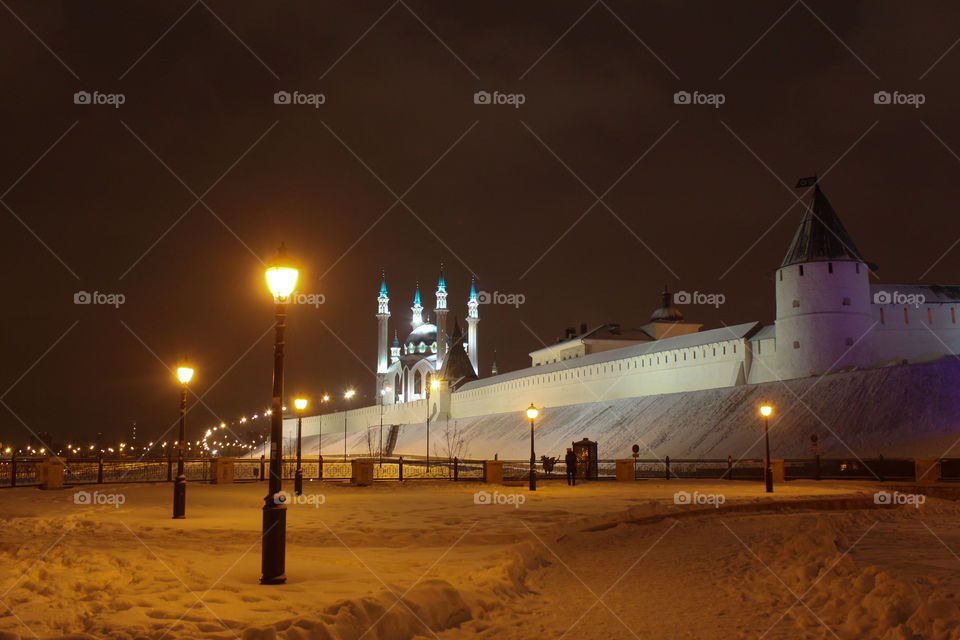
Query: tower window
858, 267
801, 269
829, 267
780, 273
906, 318
796, 304
953, 315
849, 342
796, 344
846, 302
881, 315
929, 316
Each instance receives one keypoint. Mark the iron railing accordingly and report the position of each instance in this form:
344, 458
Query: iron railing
101, 470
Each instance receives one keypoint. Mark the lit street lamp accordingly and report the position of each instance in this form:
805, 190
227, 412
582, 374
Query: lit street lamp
386, 389
281, 279
349, 394
532, 414
184, 374
300, 404
765, 411
434, 384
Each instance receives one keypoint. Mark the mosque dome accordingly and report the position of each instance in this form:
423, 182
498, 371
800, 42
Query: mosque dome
423, 339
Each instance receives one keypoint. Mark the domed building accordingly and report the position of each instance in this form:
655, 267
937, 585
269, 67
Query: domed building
405, 374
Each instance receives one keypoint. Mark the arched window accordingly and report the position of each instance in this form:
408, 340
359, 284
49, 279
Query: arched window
417, 383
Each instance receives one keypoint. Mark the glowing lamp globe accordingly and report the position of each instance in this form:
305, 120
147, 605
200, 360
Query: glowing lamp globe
282, 274
349, 394
434, 384
766, 410
184, 374
300, 403
532, 412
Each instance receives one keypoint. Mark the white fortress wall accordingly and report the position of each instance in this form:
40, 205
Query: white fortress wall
914, 323
706, 360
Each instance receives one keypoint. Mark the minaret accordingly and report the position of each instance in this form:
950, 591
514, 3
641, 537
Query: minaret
473, 318
383, 316
395, 348
441, 312
417, 308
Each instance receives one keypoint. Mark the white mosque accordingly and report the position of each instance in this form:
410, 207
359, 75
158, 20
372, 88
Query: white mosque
829, 319
427, 349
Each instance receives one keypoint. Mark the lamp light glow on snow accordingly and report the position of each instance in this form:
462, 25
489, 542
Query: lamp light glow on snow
184, 374
532, 412
300, 403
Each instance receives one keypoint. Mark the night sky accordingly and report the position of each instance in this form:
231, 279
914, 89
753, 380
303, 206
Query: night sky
177, 197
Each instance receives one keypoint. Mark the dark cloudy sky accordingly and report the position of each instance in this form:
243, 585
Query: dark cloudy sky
105, 199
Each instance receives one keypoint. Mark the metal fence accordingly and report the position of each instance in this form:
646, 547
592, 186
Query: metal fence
94, 470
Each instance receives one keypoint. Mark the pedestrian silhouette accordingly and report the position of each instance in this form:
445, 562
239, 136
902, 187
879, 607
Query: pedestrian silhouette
571, 460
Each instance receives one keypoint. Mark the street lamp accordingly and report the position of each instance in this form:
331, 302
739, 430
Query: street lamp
532, 413
349, 394
384, 391
300, 404
434, 384
281, 279
184, 375
766, 410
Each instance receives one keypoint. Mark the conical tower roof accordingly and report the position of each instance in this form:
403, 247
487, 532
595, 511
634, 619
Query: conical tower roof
457, 368
821, 236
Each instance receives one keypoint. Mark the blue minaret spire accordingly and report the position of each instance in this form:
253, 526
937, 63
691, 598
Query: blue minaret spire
417, 309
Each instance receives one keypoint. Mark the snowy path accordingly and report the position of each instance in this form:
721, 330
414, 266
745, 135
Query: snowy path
470, 570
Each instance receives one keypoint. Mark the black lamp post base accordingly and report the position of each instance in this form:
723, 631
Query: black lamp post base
298, 483
180, 498
273, 558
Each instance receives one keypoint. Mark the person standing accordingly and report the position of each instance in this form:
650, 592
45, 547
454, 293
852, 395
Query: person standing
571, 461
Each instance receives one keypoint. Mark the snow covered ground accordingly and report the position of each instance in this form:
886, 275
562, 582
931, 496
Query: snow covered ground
426, 560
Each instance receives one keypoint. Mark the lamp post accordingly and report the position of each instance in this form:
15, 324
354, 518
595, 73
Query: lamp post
184, 374
349, 394
325, 400
532, 414
766, 410
300, 404
281, 280
434, 384
383, 392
